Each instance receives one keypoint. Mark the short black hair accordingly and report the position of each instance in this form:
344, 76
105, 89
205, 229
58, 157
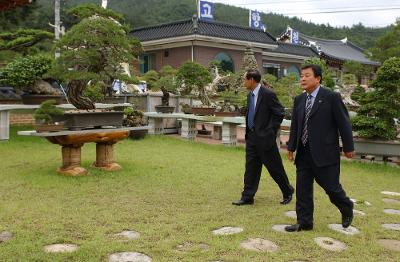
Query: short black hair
253, 73
317, 70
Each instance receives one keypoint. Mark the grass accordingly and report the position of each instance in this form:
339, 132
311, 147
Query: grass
173, 192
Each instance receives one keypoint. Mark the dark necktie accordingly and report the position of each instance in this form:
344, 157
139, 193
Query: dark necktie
250, 116
304, 136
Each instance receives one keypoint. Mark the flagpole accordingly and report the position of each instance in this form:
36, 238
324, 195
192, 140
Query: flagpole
197, 8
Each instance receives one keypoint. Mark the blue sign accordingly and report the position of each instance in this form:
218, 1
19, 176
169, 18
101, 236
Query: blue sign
206, 10
295, 37
255, 20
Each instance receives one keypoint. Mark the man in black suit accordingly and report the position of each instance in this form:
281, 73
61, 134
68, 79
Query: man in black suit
263, 119
319, 116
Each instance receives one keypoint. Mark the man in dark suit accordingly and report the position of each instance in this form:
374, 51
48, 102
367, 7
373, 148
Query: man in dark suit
263, 119
319, 116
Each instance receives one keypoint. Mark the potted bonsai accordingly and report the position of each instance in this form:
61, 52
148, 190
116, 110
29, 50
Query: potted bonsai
375, 124
133, 118
26, 74
44, 117
92, 51
193, 77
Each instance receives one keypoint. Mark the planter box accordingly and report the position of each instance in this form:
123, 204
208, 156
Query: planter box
377, 147
83, 120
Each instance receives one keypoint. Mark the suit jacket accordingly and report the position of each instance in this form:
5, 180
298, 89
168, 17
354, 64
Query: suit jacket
328, 119
268, 117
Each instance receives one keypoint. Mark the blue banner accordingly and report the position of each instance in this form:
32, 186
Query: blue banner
206, 10
255, 20
295, 37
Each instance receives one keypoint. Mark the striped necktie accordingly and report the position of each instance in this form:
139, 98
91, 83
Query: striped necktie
250, 116
304, 136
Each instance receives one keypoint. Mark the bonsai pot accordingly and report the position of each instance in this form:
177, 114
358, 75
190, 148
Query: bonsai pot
165, 109
137, 134
203, 111
227, 114
36, 99
42, 128
82, 120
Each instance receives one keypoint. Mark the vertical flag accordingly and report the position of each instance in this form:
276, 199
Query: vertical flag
255, 20
294, 36
206, 10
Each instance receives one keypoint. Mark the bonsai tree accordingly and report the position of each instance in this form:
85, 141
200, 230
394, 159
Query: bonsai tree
378, 109
133, 117
25, 73
357, 93
44, 114
93, 50
151, 78
192, 76
167, 83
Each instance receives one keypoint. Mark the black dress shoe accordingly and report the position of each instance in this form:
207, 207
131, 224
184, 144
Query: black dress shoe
242, 202
347, 219
286, 199
298, 227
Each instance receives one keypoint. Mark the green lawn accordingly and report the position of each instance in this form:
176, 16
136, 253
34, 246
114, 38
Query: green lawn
173, 192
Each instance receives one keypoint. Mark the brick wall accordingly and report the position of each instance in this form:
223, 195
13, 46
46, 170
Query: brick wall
21, 118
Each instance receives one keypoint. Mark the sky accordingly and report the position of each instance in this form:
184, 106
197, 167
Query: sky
370, 13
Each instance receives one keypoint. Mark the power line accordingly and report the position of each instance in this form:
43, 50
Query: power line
344, 11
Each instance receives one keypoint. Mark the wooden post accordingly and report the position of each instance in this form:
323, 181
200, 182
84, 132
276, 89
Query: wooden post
105, 157
4, 125
71, 159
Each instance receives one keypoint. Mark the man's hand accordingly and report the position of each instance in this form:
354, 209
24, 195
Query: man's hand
290, 156
349, 154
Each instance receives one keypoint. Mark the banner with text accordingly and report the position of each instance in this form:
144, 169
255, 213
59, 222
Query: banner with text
206, 10
255, 20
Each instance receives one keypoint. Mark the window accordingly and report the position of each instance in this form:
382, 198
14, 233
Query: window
272, 69
147, 62
294, 71
225, 61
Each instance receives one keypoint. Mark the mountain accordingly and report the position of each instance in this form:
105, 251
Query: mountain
150, 12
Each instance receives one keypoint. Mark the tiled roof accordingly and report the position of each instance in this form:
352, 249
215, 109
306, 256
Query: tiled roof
205, 28
293, 49
339, 49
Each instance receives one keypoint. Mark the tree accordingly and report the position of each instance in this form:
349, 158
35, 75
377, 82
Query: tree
151, 77
93, 50
193, 76
357, 69
388, 45
375, 116
357, 93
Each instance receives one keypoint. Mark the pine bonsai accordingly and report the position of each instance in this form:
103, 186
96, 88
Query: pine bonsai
379, 108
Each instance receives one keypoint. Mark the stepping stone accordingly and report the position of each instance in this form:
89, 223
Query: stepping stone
389, 193
5, 236
60, 248
392, 226
127, 235
227, 231
391, 244
259, 245
392, 211
291, 214
348, 231
330, 244
129, 257
358, 212
391, 201
359, 202
188, 246
280, 228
